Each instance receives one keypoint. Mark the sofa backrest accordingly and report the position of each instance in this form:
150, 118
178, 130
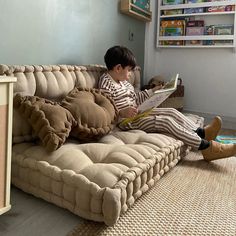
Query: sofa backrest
56, 81
52, 82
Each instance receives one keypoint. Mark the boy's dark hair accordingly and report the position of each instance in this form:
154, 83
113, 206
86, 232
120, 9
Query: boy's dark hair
119, 55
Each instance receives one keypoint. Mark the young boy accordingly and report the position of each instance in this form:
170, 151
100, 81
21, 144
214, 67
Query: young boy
120, 61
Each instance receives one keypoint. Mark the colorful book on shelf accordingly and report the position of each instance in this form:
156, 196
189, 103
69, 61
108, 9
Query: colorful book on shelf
158, 97
226, 139
172, 28
172, 2
143, 4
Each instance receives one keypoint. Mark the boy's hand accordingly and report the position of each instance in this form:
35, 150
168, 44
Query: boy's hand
157, 87
128, 112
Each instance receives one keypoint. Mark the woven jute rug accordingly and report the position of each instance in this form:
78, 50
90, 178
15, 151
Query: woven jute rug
194, 198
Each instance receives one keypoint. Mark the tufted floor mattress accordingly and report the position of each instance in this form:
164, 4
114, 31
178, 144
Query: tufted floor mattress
97, 181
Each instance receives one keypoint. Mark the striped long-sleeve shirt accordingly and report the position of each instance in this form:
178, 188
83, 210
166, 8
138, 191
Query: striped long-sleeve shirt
122, 92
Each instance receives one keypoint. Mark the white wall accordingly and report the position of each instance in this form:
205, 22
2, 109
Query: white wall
209, 75
65, 31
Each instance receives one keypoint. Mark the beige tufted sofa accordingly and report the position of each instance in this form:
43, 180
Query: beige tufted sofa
98, 181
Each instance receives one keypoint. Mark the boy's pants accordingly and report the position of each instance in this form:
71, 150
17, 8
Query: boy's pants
167, 120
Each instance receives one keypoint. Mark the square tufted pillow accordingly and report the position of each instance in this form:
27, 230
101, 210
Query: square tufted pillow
50, 122
94, 112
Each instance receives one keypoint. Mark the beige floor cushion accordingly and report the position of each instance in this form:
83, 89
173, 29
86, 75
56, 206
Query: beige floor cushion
97, 181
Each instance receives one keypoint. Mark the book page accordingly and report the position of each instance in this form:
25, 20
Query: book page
160, 95
170, 84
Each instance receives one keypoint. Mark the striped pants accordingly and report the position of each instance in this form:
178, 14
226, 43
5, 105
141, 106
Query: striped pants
168, 120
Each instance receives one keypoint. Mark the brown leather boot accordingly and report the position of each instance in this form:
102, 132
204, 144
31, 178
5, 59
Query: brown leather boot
212, 130
218, 151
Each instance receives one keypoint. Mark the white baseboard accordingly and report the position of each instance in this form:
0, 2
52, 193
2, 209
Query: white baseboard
228, 122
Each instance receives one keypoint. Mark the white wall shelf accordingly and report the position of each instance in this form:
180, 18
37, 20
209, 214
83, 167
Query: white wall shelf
200, 14
196, 5
196, 46
198, 37
218, 17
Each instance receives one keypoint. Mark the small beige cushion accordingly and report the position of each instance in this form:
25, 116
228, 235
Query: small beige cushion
94, 112
50, 122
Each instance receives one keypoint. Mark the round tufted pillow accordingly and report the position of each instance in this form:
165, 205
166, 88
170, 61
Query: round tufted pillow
94, 112
50, 122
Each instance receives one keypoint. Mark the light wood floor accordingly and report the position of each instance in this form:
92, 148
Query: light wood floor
32, 216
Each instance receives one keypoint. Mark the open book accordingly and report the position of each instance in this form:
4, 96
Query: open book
160, 95
155, 100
